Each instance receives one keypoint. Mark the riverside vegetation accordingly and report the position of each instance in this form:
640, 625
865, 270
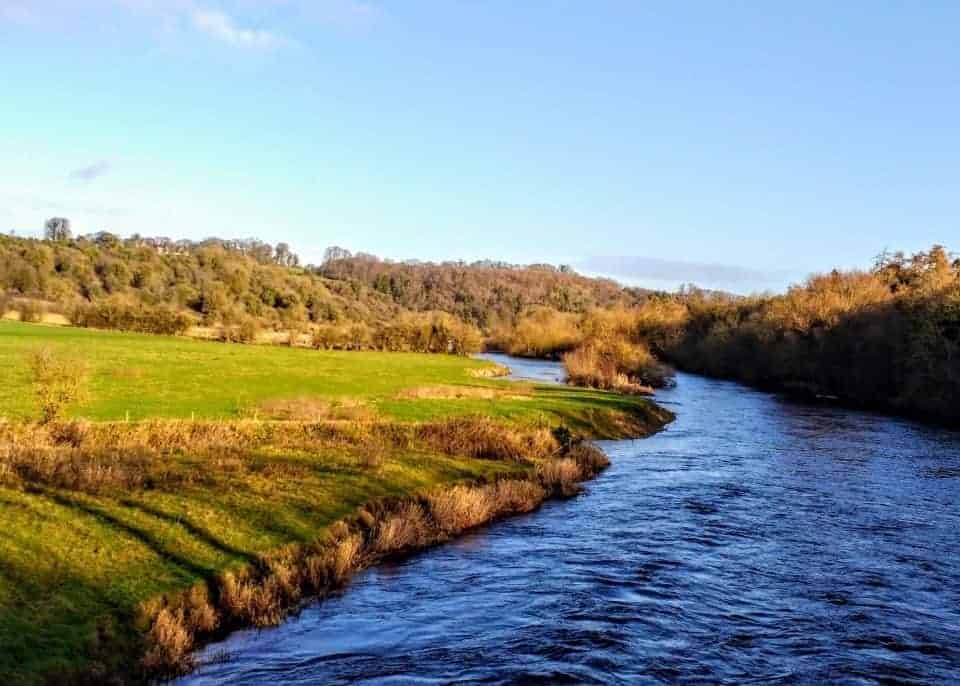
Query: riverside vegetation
885, 338
157, 492
160, 490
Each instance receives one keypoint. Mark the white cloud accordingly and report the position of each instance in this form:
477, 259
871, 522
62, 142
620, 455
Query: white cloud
90, 172
222, 27
658, 273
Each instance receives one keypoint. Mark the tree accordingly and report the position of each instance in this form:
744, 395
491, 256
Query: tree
334, 253
284, 256
57, 229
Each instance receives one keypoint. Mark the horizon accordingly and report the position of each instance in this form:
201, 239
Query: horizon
736, 148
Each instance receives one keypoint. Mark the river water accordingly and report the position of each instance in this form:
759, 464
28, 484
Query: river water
756, 540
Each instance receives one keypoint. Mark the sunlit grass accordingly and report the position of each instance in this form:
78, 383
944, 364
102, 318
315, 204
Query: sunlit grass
76, 565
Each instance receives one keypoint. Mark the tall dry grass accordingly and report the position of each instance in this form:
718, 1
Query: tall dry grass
98, 457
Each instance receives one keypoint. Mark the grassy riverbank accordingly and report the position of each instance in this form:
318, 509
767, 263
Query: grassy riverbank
232, 453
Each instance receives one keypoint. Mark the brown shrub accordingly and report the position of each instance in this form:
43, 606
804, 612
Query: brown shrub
561, 476
72, 469
345, 557
517, 495
615, 365
257, 600
31, 311
200, 614
235, 595
591, 459
540, 332
169, 643
400, 530
243, 329
484, 438
117, 313
461, 507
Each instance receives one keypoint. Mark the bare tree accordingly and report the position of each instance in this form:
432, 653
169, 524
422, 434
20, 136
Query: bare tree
283, 255
334, 253
57, 229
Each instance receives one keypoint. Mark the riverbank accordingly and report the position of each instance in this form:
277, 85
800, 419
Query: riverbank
143, 538
754, 540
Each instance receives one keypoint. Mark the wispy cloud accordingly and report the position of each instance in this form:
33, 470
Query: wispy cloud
90, 172
222, 27
13, 10
675, 272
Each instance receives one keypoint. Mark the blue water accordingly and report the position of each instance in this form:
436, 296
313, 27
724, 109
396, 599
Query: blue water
754, 541
523, 369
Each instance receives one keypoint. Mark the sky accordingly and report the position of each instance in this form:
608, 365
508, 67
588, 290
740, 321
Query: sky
736, 145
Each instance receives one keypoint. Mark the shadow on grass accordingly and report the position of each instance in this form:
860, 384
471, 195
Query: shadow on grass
192, 569
194, 530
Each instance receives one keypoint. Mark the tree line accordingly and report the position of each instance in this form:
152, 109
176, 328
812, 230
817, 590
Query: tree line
245, 290
887, 337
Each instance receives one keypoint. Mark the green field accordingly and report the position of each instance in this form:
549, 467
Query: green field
75, 564
135, 376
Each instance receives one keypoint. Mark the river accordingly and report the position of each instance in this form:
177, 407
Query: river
756, 540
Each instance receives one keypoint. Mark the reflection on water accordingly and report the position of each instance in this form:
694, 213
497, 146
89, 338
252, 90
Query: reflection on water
755, 540
522, 369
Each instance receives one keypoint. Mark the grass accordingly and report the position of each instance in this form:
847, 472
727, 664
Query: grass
75, 566
137, 376
83, 552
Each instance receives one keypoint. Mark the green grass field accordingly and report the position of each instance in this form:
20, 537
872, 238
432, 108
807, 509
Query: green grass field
75, 565
135, 376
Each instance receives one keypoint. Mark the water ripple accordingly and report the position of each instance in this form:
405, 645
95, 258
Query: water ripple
755, 541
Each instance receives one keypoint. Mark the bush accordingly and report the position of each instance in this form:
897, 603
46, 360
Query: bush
121, 316
30, 311
540, 332
245, 330
616, 365
58, 382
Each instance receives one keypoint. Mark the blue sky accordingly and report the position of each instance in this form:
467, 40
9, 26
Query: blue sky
739, 145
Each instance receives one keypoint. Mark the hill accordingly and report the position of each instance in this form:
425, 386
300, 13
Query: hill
246, 290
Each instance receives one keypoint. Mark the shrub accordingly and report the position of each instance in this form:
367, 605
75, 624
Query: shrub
244, 330
616, 364
31, 311
169, 643
460, 508
561, 476
541, 332
403, 529
118, 315
58, 382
